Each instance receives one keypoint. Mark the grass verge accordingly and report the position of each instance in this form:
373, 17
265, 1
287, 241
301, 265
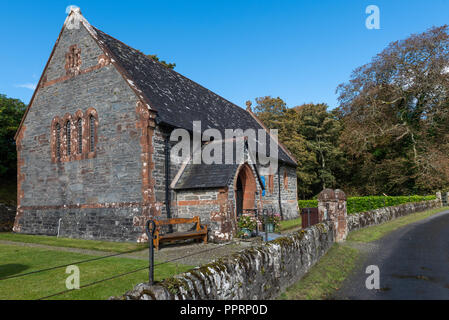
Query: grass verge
325, 277
376, 232
73, 243
290, 224
16, 260
328, 274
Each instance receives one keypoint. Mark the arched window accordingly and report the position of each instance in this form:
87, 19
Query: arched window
285, 179
92, 133
80, 136
58, 142
68, 136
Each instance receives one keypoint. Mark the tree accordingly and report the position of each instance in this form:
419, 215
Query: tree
321, 130
395, 111
164, 63
11, 112
275, 115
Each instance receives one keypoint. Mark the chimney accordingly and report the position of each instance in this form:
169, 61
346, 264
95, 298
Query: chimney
72, 9
248, 106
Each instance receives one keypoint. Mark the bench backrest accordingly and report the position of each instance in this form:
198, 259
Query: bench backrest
166, 222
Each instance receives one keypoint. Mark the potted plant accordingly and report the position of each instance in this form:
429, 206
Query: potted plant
273, 222
246, 225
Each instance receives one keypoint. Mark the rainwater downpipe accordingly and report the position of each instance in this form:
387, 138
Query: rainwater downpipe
59, 227
167, 179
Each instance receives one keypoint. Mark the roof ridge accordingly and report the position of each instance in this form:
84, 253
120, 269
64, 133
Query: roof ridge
170, 70
137, 50
210, 93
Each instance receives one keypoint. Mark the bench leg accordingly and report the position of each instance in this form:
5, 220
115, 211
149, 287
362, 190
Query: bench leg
156, 243
205, 238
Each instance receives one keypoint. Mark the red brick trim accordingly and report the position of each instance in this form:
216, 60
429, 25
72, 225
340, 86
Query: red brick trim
85, 206
182, 203
249, 186
86, 133
75, 135
74, 141
73, 61
285, 179
103, 61
66, 155
146, 123
42, 79
53, 139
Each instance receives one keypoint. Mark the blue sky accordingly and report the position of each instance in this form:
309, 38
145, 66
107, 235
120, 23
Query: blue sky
297, 50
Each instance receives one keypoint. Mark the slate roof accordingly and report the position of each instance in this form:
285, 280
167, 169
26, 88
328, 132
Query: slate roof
198, 176
178, 100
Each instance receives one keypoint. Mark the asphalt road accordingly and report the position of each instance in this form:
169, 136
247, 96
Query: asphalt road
413, 263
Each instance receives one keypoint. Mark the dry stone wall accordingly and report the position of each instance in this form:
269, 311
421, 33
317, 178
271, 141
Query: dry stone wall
373, 217
254, 273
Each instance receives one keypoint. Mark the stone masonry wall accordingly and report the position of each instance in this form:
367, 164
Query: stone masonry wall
97, 197
159, 137
256, 273
289, 199
373, 217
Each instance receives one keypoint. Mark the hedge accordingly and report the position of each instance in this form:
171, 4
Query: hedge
362, 204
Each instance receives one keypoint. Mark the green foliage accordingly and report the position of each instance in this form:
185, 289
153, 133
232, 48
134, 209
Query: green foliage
290, 224
164, 63
395, 114
307, 204
11, 112
16, 259
247, 222
362, 204
54, 241
325, 277
321, 130
275, 115
8, 191
376, 232
274, 219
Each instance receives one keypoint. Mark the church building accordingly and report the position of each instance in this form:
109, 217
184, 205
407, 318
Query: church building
94, 147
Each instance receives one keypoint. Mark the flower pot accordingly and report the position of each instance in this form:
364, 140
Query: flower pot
246, 232
269, 227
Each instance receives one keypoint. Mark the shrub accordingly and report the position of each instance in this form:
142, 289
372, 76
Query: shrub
362, 204
307, 204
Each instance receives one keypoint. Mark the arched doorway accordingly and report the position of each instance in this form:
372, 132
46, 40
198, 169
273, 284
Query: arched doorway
245, 190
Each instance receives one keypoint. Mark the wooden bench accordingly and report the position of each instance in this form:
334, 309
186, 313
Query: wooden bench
200, 231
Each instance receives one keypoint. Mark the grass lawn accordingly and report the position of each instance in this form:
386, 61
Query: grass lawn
17, 260
334, 267
325, 277
73, 243
290, 224
376, 232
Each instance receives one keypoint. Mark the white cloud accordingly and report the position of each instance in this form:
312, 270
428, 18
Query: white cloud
31, 86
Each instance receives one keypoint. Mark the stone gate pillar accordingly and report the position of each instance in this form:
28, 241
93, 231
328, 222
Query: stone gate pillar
332, 206
439, 197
